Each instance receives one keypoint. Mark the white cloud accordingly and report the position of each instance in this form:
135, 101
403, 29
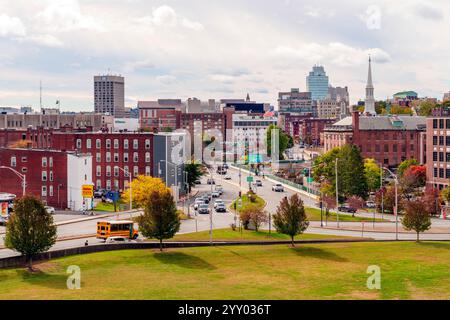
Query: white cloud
166, 79
11, 26
138, 65
47, 40
165, 16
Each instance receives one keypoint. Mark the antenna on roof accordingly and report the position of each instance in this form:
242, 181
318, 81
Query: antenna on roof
40, 94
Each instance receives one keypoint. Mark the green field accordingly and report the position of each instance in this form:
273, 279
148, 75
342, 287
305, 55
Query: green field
311, 271
260, 202
314, 215
262, 235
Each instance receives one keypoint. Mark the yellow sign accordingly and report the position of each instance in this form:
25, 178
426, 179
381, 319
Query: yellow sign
87, 191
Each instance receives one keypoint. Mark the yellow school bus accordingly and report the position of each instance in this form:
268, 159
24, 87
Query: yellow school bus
124, 228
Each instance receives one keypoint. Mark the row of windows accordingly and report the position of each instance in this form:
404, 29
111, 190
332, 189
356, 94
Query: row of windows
440, 141
118, 169
439, 123
439, 173
440, 156
395, 148
45, 162
115, 143
116, 157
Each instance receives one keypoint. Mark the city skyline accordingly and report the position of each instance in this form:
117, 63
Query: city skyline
66, 43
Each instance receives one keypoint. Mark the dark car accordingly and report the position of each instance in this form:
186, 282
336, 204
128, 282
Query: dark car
211, 181
258, 183
100, 193
347, 209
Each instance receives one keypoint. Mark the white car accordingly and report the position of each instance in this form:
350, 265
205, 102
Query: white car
119, 240
49, 209
198, 202
217, 202
215, 194
278, 187
370, 204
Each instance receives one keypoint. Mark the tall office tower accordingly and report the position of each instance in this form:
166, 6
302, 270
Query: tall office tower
317, 83
370, 100
109, 95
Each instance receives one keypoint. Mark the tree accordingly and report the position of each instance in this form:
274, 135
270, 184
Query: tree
387, 195
290, 217
413, 177
355, 202
30, 229
405, 165
431, 201
141, 188
330, 203
255, 215
445, 194
194, 173
283, 141
416, 217
160, 219
372, 173
425, 108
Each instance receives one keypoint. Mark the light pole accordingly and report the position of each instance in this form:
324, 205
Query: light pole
187, 193
21, 176
396, 201
175, 174
210, 209
129, 175
337, 192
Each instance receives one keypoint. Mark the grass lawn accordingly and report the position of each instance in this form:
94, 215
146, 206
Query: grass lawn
312, 271
246, 202
229, 234
107, 207
314, 215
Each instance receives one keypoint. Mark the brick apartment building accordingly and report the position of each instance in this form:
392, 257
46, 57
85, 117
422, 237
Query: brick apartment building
304, 127
54, 176
387, 139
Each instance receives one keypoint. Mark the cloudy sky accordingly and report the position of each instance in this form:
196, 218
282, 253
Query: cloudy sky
217, 48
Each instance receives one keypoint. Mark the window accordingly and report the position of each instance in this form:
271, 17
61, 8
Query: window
78, 143
127, 171
125, 157
50, 162
447, 124
125, 144
44, 162
447, 173
386, 148
435, 173
108, 184
136, 171
88, 143
98, 143
24, 159
24, 170
116, 157
99, 184
135, 144
51, 175
98, 157
13, 162
394, 148
108, 157
116, 171
441, 140
135, 157
147, 157
108, 143
435, 123
147, 171
435, 140
44, 191
441, 156
441, 173
44, 175
435, 156
50, 191
116, 184
98, 171
108, 171
147, 144
441, 123
116, 143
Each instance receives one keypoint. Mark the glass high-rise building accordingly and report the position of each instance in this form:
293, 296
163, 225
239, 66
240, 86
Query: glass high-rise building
317, 83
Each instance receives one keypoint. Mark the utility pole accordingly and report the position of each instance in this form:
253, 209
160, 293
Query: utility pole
337, 192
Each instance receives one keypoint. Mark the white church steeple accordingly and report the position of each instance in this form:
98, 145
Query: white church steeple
370, 100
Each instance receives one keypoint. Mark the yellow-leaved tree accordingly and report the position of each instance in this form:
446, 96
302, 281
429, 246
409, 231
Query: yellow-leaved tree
141, 188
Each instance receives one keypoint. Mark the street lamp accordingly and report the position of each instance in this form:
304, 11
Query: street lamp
129, 175
337, 192
21, 176
210, 209
396, 201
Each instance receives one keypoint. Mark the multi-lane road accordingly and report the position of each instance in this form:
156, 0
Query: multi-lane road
79, 229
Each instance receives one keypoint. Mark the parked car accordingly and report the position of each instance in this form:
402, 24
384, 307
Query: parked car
227, 177
203, 209
99, 193
258, 183
217, 202
347, 209
49, 209
119, 240
225, 166
371, 204
221, 207
219, 189
197, 182
211, 181
198, 202
278, 187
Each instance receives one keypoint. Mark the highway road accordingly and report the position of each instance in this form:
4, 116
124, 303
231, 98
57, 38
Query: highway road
85, 229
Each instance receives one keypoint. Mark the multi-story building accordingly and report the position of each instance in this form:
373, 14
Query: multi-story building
295, 102
57, 120
195, 105
339, 94
331, 109
304, 128
438, 151
249, 134
56, 177
446, 97
109, 95
387, 139
161, 115
317, 83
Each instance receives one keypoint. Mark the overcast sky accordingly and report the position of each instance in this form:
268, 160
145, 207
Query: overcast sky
219, 48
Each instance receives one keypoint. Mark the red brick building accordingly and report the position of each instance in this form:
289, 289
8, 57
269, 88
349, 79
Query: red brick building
55, 177
387, 139
438, 151
304, 127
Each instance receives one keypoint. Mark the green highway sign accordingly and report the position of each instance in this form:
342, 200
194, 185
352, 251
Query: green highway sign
249, 179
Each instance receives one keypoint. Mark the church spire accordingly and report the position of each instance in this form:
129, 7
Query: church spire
370, 100
369, 77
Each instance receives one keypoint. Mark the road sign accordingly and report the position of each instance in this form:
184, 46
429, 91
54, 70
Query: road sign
87, 191
113, 195
250, 179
